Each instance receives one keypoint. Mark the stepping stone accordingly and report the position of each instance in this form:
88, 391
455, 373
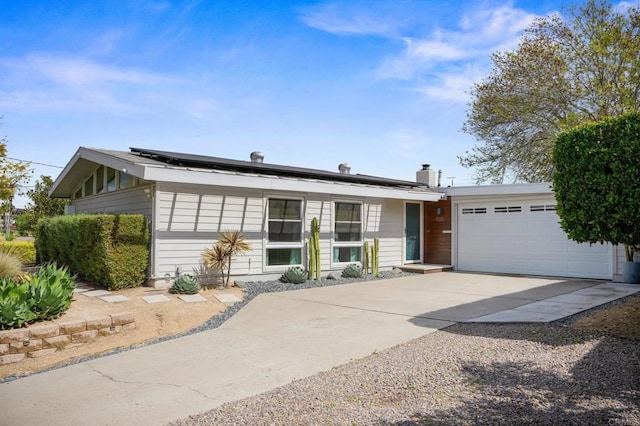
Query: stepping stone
80, 289
115, 299
96, 293
227, 298
192, 298
156, 298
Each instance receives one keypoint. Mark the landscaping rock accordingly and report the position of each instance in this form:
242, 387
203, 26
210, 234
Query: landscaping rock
71, 327
17, 335
41, 331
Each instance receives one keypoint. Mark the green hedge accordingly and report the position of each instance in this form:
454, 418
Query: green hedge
109, 250
23, 250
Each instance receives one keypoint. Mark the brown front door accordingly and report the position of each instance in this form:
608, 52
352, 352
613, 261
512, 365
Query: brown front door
437, 232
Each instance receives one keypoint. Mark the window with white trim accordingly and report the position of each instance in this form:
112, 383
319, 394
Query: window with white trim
347, 235
284, 232
105, 179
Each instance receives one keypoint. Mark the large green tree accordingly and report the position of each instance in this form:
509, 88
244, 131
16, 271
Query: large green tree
41, 205
597, 181
571, 68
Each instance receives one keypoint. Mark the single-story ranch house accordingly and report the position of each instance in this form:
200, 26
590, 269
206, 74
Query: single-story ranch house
188, 199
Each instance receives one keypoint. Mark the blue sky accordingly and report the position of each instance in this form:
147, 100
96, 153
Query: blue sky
382, 85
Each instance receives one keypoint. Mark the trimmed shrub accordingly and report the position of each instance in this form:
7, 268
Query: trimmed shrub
108, 250
185, 284
25, 251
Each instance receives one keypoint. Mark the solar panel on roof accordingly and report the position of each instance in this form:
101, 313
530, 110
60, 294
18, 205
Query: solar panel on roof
217, 163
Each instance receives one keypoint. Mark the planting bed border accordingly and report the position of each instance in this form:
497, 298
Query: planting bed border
45, 339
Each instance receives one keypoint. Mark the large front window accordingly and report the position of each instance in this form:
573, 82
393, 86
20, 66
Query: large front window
347, 235
284, 241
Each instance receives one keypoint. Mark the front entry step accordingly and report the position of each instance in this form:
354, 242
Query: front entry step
420, 268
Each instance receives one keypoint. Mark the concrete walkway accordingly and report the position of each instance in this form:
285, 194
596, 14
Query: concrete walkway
275, 339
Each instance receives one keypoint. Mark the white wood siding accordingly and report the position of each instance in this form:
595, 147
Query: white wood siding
189, 217
384, 219
134, 201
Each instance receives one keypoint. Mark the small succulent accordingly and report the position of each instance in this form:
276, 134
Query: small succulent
294, 275
352, 271
185, 284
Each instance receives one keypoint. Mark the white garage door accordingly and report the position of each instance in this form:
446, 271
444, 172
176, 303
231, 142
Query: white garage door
524, 237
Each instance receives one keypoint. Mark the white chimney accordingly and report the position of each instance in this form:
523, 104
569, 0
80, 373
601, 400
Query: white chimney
344, 168
426, 176
257, 157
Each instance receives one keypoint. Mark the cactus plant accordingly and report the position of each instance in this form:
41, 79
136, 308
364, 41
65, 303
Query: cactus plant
365, 263
185, 284
374, 256
315, 268
352, 271
294, 275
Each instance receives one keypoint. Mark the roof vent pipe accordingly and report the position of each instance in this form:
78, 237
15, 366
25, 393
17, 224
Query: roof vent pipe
439, 177
257, 157
344, 168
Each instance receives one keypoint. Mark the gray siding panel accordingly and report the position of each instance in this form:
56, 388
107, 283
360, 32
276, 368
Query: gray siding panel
134, 201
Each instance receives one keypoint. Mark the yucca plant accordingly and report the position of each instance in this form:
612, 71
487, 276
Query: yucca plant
294, 275
235, 244
215, 258
10, 266
352, 271
185, 284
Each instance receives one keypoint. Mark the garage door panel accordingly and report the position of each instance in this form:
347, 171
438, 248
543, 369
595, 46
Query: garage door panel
524, 241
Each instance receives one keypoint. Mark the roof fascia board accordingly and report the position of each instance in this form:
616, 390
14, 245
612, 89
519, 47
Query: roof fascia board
99, 158
64, 172
120, 164
196, 177
493, 190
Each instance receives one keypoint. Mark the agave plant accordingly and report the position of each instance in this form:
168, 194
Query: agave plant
294, 275
352, 271
235, 244
216, 258
15, 304
185, 284
51, 290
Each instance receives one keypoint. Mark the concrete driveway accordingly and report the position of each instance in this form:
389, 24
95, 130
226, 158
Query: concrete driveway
275, 339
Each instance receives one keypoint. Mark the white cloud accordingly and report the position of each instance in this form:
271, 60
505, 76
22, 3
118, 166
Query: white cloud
433, 63
452, 87
68, 83
79, 72
351, 18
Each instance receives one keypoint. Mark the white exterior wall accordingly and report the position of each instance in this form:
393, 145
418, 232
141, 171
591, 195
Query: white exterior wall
132, 201
385, 220
189, 217
188, 221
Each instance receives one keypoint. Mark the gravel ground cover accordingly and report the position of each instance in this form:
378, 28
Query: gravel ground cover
465, 374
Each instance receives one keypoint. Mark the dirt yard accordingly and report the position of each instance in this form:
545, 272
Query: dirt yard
152, 321
621, 321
